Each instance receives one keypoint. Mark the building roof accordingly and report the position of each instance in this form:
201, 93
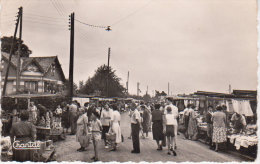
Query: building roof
43, 62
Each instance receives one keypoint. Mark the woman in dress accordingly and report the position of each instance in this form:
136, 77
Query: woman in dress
115, 126
192, 128
82, 131
219, 127
146, 120
157, 126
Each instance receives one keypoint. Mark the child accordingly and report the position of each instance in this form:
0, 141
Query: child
96, 133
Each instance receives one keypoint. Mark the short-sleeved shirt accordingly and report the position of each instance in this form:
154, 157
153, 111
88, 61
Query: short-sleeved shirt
58, 110
96, 125
116, 117
169, 119
73, 108
219, 119
174, 112
105, 113
241, 119
135, 116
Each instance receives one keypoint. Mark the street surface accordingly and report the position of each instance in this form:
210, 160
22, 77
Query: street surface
192, 151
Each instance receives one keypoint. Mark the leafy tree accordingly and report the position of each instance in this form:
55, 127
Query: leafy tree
6, 44
98, 83
157, 93
147, 98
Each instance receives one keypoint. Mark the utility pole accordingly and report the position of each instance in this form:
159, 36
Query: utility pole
229, 89
127, 83
168, 88
10, 55
71, 55
147, 90
138, 84
19, 50
108, 60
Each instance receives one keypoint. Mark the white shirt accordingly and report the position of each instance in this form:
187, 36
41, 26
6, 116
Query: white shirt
115, 117
169, 118
174, 112
135, 116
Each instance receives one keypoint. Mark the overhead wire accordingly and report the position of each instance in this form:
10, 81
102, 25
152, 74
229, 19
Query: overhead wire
58, 10
61, 6
43, 16
90, 25
131, 14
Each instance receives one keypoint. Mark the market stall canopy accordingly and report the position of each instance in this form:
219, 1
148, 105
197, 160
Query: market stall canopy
33, 95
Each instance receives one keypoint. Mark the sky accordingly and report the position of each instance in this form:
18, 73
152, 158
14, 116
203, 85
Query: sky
190, 44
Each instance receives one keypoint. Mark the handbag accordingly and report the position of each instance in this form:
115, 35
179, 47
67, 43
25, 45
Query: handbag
122, 137
111, 137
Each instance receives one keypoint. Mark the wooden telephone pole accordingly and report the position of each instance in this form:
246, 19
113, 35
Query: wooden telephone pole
19, 51
71, 55
138, 89
11, 52
108, 60
127, 83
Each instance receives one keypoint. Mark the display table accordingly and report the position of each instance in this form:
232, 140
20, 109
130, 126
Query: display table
43, 133
239, 140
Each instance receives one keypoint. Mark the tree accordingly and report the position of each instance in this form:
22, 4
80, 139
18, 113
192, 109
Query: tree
157, 93
6, 44
147, 98
98, 83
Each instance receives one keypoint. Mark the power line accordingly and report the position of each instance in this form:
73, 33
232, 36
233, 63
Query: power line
133, 13
54, 5
61, 6
32, 21
91, 25
36, 15
44, 19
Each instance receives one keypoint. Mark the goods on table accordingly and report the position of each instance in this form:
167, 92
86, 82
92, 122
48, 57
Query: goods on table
6, 146
243, 140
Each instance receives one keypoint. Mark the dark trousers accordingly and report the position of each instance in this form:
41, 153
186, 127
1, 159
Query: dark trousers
73, 122
135, 137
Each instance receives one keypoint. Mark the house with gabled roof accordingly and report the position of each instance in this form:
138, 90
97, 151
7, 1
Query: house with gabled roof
37, 75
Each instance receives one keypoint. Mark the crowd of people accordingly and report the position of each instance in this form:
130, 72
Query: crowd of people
94, 122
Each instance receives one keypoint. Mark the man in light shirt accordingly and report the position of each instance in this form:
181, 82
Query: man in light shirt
175, 112
105, 118
135, 126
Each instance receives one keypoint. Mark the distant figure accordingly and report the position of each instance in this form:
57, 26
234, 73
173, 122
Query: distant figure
146, 120
219, 127
238, 122
175, 112
209, 125
96, 133
168, 129
65, 118
157, 126
192, 128
24, 132
82, 131
73, 109
135, 126
105, 119
32, 113
115, 126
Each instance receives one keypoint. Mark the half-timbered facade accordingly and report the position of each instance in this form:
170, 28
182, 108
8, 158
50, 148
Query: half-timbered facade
37, 75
